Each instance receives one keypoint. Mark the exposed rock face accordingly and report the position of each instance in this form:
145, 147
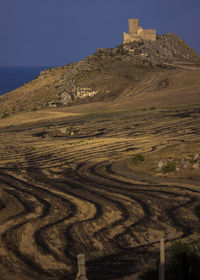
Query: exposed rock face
103, 75
85, 92
65, 97
167, 48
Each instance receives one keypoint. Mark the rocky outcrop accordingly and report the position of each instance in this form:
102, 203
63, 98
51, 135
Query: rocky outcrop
167, 48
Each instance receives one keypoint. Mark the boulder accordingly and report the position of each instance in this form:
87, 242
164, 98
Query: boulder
196, 157
161, 164
196, 166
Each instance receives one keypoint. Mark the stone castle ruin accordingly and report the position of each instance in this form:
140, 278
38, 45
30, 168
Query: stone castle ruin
137, 33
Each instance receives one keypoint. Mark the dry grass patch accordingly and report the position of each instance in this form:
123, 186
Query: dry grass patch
32, 117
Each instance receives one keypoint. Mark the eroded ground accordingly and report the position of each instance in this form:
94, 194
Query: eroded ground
69, 189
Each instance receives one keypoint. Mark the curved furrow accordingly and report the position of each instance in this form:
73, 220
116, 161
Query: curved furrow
101, 216
12, 231
73, 224
185, 225
68, 238
122, 197
35, 256
135, 195
113, 192
51, 160
148, 192
46, 158
182, 225
178, 221
118, 200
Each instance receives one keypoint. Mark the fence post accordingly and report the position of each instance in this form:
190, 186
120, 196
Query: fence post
162, 260
1, 193
81, 268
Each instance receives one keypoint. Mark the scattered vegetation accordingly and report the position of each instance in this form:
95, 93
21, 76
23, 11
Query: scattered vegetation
136, 160
182, 262
169, 166
179, 160
105, 114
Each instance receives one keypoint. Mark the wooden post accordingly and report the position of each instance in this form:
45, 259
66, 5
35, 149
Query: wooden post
162, 260
1, 193
81, 268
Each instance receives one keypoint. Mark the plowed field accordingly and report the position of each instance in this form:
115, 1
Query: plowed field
69, 189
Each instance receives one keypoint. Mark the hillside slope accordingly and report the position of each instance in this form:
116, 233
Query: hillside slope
105, 75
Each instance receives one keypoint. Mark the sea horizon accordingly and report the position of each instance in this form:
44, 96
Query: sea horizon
13, 77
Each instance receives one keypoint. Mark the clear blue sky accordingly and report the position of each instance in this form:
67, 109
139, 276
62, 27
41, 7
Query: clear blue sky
57, 32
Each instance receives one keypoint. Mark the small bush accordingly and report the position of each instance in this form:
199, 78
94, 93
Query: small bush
136, 160
169, 167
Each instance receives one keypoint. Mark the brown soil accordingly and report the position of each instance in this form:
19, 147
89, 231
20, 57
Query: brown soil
69, 188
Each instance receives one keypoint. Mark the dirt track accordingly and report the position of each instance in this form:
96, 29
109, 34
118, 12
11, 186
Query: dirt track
70, 194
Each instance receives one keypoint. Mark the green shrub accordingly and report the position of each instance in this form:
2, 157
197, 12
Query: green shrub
136, 160
169, 166
182, 262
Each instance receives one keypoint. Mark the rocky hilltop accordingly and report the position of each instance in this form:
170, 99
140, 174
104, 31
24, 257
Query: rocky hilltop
101, 76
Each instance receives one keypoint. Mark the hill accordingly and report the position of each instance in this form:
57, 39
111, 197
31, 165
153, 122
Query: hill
107, 74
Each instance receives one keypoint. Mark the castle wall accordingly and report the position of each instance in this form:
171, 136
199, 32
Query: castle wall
148, 34
140, 29
128, 38
137, 33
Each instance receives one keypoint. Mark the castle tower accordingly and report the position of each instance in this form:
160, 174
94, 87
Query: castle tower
133, 26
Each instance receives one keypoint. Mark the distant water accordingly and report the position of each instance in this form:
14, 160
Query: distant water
14, 77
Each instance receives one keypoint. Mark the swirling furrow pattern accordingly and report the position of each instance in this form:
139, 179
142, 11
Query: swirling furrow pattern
77, 194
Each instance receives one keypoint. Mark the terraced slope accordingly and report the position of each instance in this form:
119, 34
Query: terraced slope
69, 189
